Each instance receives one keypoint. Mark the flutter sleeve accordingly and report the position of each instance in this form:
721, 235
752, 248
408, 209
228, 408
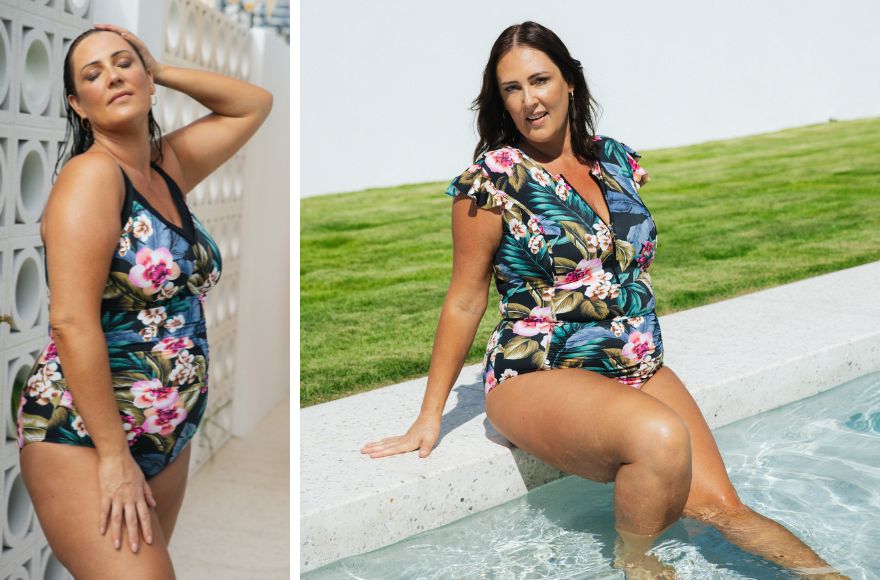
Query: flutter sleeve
639, 175
478, 183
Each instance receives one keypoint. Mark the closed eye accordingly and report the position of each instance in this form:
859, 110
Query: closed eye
125, 64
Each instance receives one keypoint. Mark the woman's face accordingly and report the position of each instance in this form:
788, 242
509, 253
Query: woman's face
105, 65
531, 85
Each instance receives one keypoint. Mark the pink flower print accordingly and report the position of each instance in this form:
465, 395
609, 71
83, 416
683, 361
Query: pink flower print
535, 225
640, 176
175, 323
49, 353
635, 381
586, 272
79, 426
503, 160
539, 320
153, 269
562, 190
142, 228
638, 345
66, 400
201, 298
507, 374
148, 333
646, 255
169, 347
518, 229
131, 428
540, 176
152, 394
152, 315
536, 243
490, 381
164, 421
124, 245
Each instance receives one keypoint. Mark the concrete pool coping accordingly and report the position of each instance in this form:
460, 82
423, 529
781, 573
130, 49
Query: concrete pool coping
738, 358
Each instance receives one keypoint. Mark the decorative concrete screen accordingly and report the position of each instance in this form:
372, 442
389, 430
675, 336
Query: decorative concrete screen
34, 36
199, 36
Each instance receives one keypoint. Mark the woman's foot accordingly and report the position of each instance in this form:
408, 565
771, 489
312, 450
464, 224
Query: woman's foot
637, 564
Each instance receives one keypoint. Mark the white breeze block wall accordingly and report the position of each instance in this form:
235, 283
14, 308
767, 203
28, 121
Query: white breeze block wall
34, 37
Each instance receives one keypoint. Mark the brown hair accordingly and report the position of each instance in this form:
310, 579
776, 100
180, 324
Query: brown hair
495, 126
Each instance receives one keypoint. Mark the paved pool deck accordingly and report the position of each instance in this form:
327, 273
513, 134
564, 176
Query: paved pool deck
738, 357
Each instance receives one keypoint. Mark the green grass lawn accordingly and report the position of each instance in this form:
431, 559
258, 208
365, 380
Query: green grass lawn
732, 217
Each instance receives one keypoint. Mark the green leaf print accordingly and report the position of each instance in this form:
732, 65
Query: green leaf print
520, 176
594, 309
577, 233
119, 288
520, 347
520, 258
58, 418
515, 307
567, 300
624, 252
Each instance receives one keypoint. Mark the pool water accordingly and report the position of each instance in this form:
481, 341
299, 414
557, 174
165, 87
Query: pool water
812, 465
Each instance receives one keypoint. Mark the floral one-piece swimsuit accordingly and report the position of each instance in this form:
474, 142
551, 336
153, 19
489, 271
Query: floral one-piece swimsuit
575, 291
153, 318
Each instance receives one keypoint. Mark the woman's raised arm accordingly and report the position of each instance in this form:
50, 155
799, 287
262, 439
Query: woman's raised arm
476, 235
238, 108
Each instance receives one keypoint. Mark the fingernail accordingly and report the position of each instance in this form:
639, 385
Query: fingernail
134, 547
116, 544
149, 539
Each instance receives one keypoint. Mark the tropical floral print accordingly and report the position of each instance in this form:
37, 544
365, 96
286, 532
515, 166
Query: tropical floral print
153, 318
574, 291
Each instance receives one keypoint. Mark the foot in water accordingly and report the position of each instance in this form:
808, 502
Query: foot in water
630, 555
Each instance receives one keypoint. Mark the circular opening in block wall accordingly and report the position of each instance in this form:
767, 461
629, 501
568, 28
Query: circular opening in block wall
234, 47
5, 55
189, 32
245, 58
27, 289
18, 506
77, 7
220, 40
233, 244
208, 39
232, 304
229, 362
32, 181
214, 184
226, 183
54, 570
35, 84
172, 27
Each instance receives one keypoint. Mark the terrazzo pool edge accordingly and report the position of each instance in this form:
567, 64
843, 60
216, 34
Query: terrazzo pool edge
773, 354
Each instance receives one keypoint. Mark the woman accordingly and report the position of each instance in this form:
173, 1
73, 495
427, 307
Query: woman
104, 436
553, 210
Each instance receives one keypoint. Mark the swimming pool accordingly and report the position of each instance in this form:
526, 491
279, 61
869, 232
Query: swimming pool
813, 465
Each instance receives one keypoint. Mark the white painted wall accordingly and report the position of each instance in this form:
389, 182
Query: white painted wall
262, 375
386, 85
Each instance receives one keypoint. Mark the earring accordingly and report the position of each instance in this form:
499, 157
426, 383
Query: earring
571, 96
154, 100
85, 124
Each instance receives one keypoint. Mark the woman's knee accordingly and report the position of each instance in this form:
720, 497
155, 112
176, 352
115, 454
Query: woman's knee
661, 440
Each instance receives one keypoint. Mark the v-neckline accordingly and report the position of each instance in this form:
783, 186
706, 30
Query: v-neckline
600, 181
182, 209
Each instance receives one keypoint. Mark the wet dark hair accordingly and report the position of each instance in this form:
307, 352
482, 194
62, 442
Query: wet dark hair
78, 136
495, 125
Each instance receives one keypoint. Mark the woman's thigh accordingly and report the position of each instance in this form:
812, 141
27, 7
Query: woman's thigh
580, 421
62, 481
168, 487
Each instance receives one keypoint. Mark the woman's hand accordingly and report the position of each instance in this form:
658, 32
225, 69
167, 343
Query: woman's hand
124, 495
152, 64
422, 436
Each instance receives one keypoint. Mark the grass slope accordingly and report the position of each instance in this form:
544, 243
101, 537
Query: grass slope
733, 217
